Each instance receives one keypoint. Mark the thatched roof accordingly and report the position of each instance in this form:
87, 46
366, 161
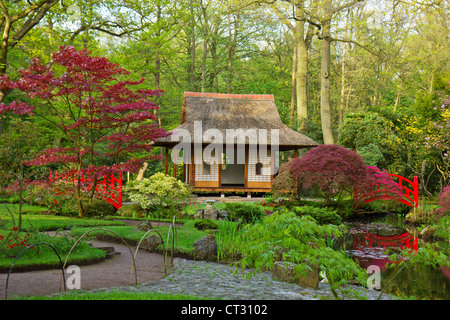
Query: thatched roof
236, 111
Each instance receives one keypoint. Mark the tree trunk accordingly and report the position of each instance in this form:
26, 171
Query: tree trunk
325, 96
397, 99
301, 77
294, 72
205, 53
140, 175
231, 51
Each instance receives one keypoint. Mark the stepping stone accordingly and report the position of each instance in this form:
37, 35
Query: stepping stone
110, 251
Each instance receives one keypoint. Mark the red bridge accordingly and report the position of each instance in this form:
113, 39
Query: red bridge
106, 188
409, 192
403, 240
369, 249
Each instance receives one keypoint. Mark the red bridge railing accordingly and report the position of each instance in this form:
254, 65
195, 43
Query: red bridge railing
108, 188
409, 192
403, 240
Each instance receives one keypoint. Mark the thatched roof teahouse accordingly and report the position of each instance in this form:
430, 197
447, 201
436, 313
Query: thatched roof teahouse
251, 122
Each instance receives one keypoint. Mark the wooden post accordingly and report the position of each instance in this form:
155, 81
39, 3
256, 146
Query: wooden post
219, 167
246, 150
296, 153
167, 160
192, 171
272, 165
175, 166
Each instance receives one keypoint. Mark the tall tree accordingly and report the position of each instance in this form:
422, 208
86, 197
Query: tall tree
103, 120
18, 18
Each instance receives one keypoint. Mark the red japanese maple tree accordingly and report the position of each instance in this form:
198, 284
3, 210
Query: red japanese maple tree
102, 119
333, 169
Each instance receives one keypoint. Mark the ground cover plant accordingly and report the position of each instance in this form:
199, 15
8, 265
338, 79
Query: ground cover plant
186, 235
286, 237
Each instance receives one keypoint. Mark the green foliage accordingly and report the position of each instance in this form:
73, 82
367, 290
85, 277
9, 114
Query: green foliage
160, 192
131, 210
226, 237
13, 242
98, 208
247, 212
431, 255
321, 215
204, 224
371, 135
371, 154
284, 236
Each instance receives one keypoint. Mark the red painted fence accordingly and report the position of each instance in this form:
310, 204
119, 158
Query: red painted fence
410, 192
107, 188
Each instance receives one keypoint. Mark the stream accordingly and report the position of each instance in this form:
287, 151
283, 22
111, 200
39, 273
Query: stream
367, 242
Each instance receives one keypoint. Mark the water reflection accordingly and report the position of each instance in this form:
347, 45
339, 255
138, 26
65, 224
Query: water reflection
372, 244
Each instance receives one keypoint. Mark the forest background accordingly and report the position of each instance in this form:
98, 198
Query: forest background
372, 76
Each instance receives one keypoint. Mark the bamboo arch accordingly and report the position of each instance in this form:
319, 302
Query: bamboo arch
123, 240
20, 254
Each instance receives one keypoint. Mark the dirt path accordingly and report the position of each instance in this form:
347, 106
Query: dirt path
114, 271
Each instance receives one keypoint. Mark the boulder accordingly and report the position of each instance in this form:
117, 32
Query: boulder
151, 242
143, 226
199, 214
210, 212
284, 271
206, 248
427, 232
419, 215
222, 215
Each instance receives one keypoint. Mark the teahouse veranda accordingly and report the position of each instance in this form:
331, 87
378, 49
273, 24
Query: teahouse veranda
229, 142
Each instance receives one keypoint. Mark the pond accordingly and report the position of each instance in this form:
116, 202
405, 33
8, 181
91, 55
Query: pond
367, 243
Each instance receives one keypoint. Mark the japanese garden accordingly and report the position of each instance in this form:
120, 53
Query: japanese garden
207, 149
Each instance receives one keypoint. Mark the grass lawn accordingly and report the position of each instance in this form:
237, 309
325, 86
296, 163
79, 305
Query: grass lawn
32, 220
114, 295
47, 259
186, 235
33, 224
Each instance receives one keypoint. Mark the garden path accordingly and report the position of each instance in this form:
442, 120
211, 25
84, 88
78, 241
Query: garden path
112, 272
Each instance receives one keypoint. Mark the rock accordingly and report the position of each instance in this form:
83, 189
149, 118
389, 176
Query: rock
206, 248
222, 214
151, 242
418, 215
210, 212
199, 214
427, 232
284, 271
143, 226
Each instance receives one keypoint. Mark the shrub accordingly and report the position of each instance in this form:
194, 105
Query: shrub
204, 224
332, 169
321, 215
132, 210
284, 184
444, 201
98, 208
160, 192
284, 236
247, 212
